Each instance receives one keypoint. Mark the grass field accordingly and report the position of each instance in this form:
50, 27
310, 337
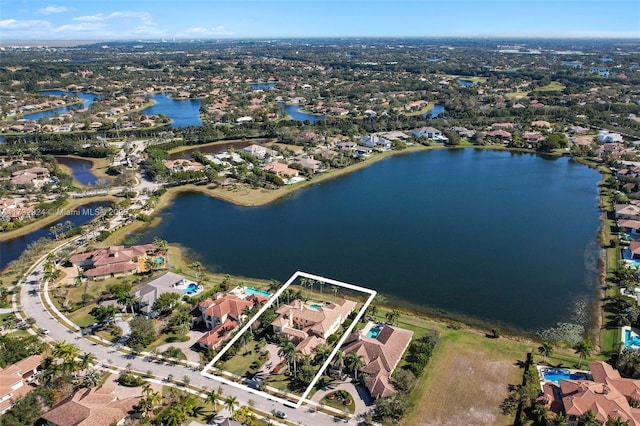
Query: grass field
468, 377
516, 95
554, 86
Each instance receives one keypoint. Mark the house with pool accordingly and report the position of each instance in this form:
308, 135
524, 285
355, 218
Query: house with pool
603, 392
380, 347
221, 314
113, 261
168, 282
309, 324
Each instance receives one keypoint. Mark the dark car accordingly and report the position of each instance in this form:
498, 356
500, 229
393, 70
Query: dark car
281, 414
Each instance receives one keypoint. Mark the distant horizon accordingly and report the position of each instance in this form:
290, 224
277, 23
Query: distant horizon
131, 20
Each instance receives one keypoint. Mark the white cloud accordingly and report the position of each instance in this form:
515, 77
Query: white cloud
217, 31
83, 27
144, 17
12, 24
89, 18
49, 10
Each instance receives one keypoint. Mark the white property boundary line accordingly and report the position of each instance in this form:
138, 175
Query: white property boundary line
371, 293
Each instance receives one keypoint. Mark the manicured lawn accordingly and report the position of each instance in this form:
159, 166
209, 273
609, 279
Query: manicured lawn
515, 95
240, 364
422, 110
81, 316
554, 86
163, 339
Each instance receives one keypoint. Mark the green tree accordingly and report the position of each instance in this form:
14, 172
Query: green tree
166, 302
545, 349
213, 397
354, 362
588, 418
230, 403
584, 350
393, 316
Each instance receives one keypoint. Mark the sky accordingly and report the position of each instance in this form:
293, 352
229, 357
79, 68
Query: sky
243, 19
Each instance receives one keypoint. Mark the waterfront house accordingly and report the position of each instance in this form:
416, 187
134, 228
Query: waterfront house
630, 226
429, 133
281, 170
309, 325
380, 355
219, 307
112, 261
608, 396
15, 379
627, 211
308, 163
374, 141
182, 165
500, 134
147, 295
89, 407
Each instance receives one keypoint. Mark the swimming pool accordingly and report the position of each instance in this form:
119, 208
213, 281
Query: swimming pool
252, 290
631, 339
158, 259
557, 374
192, 288
315, 306
374, 331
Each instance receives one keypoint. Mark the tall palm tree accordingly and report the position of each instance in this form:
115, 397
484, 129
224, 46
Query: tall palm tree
230, 403
545, 350
617, 422
588, 418
286, 351
559, 420
354, 362
91, 378
338, 361
66, 351
126, 299
85, 360
213, 397
541, 412
584, 350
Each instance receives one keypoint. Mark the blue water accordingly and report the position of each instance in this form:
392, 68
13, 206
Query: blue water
262, 86
630, 340
476, 233
183, 113
465, 83
11, 249
191, 289
434, 112
374, 331
158, 259
315, 306
80, 169
557, 374
252, 290
87, 99
294, 112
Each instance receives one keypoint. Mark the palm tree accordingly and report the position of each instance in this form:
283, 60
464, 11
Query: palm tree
392, 317
66, 351
85, 360
230, 403
541, 412
334, 290
559, 420
584, 350
213, 397
286, 351
322, 352
303, 282
545, 350
197, 266
617, 422
588, 418
354, 362
338, 361
91, 378
125, 298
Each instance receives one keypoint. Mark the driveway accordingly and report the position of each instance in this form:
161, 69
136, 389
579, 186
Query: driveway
185, 347
361, 397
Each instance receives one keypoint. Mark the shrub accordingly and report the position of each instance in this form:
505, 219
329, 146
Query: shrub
130, 380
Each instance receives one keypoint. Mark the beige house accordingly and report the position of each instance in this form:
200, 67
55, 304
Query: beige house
14, 381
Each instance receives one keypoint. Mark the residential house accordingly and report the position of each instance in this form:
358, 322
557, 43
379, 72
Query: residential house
280, 169
14, 381
147, 295
605, 136
308, 138
463, 132
500, 134
533, 137
541, 123
309, 325
607, 396
630, 226
35, 176
429, 133
221, 314
112, 261
632, 252
627, 211
502, 126
374, 141
380, 355
91, 407
182, 165
260, 152
309, 163
395, 135
11, 209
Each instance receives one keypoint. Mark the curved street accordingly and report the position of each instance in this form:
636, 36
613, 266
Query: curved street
33, 298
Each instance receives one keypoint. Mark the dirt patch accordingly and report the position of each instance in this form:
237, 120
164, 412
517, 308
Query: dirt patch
465, 386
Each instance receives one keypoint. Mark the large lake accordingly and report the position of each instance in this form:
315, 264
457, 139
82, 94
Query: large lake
80, 169
87, 100
500, 237
182, 112
12, 249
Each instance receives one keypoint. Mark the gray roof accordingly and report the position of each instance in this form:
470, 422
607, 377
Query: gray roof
149, 293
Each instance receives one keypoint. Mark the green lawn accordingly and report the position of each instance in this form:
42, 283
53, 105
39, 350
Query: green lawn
554, 86
81, 317
240, 364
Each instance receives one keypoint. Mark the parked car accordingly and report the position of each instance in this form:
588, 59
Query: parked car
281, 414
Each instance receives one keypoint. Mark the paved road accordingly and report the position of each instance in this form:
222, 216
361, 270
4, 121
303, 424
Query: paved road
33, 307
